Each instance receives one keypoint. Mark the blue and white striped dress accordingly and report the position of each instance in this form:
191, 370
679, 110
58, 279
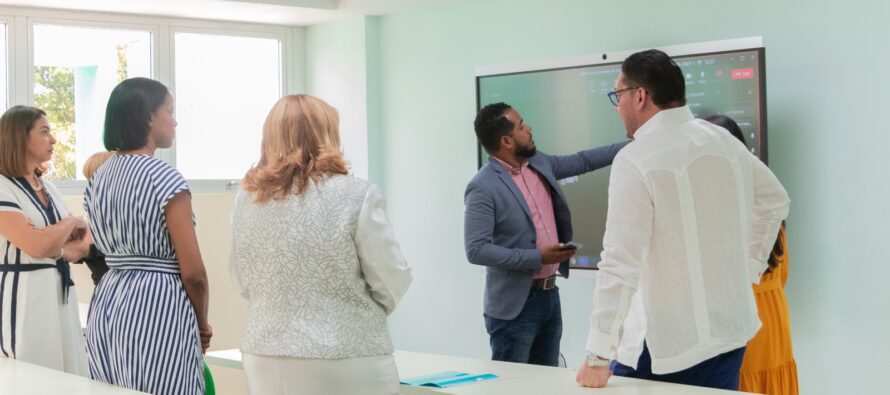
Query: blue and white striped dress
142, 332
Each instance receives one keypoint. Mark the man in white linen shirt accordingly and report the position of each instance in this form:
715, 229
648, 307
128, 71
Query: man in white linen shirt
692, 218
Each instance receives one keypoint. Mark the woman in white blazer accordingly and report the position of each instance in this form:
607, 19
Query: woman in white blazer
314, 255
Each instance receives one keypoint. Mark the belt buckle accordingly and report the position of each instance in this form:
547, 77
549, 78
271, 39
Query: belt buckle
549, 283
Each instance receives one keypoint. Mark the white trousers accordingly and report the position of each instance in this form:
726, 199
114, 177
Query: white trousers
289, 376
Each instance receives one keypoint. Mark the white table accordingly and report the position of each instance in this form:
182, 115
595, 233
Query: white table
513, 378
23, 378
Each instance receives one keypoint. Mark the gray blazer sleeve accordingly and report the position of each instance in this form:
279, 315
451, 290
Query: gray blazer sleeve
479, 223
584, 161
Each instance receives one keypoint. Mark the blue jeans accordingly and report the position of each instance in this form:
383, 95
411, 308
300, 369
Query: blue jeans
533, 336
720, 372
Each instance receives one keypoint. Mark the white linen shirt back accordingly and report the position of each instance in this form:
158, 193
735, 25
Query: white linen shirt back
692, 218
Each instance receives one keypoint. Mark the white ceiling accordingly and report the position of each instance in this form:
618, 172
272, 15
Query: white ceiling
279, 12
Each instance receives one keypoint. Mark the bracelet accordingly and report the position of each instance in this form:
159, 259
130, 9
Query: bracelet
61, 253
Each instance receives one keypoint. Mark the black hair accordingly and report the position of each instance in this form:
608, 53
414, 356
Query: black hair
128, 113
778, 253
728, 124
491, 125
658, 74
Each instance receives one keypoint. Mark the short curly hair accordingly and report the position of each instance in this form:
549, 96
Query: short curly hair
491, 125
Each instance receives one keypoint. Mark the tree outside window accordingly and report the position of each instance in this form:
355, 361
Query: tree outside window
75, 70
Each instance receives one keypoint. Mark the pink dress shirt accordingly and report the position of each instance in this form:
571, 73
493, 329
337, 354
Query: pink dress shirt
536, 191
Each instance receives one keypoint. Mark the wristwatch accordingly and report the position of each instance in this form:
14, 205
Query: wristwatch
596, 361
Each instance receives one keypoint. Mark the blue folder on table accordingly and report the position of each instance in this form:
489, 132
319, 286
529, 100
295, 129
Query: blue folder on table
447, 379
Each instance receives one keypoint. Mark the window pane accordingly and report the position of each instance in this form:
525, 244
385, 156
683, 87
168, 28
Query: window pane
225, 86
4, 69
75, 70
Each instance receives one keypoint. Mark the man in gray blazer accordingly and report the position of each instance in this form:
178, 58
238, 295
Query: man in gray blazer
516, 222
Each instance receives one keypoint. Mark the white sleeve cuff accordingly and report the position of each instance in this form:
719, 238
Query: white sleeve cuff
757, 268
601, 344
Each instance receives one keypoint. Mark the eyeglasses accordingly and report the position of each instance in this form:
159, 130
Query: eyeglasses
615, 97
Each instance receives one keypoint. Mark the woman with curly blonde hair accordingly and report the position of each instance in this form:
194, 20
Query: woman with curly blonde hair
314, 255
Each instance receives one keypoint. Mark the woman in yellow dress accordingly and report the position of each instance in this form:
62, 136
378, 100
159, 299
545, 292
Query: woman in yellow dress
768, 366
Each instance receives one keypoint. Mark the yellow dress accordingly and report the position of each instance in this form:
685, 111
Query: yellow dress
768, 366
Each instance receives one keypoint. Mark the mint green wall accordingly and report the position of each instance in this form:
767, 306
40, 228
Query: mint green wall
372, 76
827, 84
337, 70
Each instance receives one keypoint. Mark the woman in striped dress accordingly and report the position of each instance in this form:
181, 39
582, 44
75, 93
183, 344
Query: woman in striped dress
39, 321
147, 326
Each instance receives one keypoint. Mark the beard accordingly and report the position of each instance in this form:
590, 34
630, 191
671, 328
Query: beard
526, 152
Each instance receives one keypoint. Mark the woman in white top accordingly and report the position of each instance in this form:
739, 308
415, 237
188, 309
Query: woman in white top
314, 254
39, 321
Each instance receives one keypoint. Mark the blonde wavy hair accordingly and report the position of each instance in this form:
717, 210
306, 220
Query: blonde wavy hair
95, 161
301, 143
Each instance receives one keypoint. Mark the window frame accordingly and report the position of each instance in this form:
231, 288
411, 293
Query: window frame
169, 155
77, 187
9, 22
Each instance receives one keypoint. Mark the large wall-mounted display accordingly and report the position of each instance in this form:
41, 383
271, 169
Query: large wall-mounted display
565, 103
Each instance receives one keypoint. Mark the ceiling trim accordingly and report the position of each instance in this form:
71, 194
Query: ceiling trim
318, 4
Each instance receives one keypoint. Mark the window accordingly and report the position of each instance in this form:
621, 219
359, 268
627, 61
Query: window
75, 69
224, 77
225, 87
4, 69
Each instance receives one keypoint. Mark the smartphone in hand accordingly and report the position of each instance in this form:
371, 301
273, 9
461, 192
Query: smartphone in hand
572, 245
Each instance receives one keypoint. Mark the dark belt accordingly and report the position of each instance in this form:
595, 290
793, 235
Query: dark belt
63, 267
544, 283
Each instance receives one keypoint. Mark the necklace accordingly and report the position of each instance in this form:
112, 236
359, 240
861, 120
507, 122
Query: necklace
38, 187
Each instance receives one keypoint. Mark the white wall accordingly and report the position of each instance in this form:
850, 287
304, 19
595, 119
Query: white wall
336, 71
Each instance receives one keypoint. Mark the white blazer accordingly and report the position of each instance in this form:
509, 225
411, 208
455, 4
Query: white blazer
320, 271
